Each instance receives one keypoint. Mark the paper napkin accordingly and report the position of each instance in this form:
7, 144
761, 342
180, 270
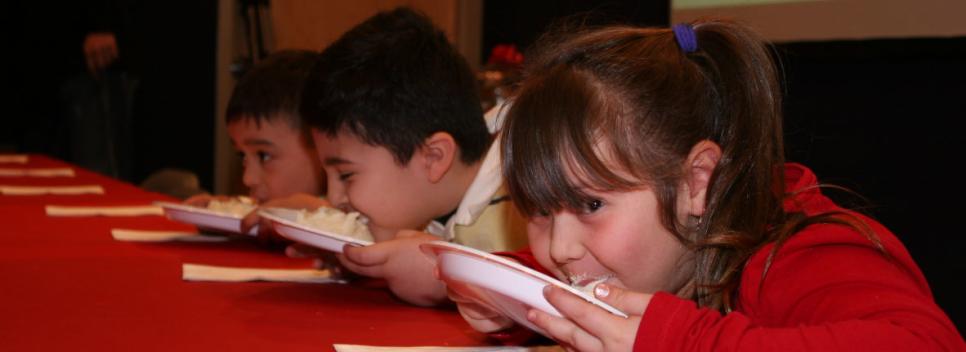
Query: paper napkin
163, 236
138, 210
41, 190
364, 348
199, 272
13, 158
37, 172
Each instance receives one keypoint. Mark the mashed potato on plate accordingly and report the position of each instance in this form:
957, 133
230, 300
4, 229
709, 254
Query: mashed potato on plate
586, 284
336, 221
233, 206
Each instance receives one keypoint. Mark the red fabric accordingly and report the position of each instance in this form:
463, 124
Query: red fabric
65, 284
828, 288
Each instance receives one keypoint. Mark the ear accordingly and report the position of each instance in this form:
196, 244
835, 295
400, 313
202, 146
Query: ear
700, 165
437, 155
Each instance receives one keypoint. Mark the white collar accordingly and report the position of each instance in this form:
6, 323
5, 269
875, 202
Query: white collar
488, 180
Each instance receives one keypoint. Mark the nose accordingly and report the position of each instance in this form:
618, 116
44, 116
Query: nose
251, 176
565, 240
335, 193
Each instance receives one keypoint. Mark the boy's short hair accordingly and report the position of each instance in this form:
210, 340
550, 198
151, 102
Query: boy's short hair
393, 81
272, 89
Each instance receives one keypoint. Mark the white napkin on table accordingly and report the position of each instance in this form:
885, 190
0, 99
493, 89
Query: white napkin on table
200, 272
364, 348
138, 210
41, 190
38, 172
13, 158
163, 236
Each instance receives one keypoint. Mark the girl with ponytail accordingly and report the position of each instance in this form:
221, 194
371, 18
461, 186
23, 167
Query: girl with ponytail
651, 160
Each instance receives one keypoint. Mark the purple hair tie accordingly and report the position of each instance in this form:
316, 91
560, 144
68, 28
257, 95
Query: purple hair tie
684, 34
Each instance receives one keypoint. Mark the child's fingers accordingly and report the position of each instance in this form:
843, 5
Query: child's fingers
298, 250
482, 319
367, 261
629, 302
250, 220
200, 200
608, 330
374, 254
564, 331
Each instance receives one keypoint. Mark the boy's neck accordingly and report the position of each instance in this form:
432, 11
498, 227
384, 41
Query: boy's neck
452, 188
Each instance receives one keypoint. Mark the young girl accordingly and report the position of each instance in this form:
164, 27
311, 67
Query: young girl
652, 159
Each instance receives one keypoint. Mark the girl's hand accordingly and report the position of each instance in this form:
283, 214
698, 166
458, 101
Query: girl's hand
586, 327
480, 317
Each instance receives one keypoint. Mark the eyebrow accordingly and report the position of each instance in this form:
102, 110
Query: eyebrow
257, 142
333, 161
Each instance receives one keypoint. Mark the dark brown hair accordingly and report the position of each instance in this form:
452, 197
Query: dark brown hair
649, 102
272, 89
394, 80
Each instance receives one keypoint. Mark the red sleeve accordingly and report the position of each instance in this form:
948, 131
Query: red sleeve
827, 289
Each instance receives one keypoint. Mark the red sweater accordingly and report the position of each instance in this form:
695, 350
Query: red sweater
828, 288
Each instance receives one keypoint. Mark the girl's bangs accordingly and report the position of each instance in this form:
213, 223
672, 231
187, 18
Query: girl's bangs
551, 145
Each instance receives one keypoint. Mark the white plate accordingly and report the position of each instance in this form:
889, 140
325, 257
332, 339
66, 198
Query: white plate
499, 283
204, 217
283, 220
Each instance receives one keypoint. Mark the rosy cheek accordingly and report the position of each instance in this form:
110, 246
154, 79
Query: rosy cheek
540, 245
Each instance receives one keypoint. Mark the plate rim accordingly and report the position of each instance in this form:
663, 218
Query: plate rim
277, 219
198, 210
433, 246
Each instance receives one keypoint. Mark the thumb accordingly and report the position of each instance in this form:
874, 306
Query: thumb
249, 221
366, 256
629, 302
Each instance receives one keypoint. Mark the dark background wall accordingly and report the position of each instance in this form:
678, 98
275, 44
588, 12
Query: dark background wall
880, 117
166, 47
884, 118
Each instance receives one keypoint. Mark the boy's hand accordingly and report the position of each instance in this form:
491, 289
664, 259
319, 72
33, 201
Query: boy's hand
586, 327
407, 271
323, 259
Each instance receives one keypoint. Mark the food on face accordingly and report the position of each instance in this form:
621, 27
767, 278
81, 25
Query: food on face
239, 206
334, 220
586, 284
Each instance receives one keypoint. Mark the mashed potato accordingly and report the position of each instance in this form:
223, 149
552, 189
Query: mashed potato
234, 206
336, 221
586, 284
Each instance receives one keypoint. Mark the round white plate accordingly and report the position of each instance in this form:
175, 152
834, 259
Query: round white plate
499, 283
283, 220
204, 217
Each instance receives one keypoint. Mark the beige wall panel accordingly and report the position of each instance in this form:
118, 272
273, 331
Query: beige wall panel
314, 24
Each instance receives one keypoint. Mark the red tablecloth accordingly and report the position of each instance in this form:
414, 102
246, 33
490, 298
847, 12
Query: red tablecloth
65, 284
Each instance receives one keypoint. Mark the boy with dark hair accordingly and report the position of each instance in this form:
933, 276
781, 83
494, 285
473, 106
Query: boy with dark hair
265, 127
395, 115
